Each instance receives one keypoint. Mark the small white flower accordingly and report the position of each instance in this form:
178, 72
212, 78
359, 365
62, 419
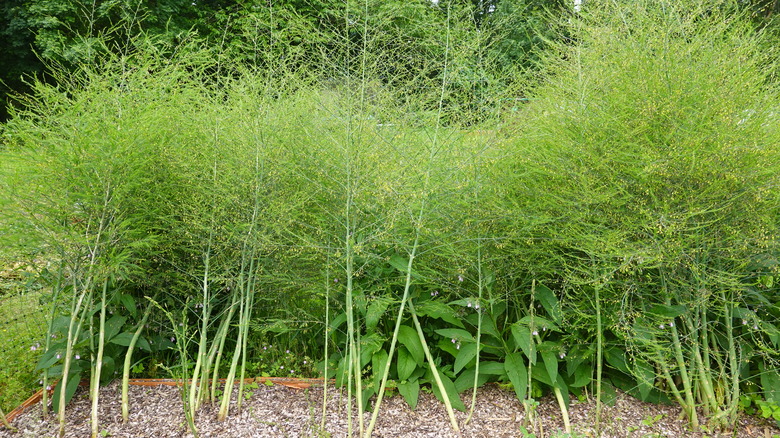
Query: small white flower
535, 333
468, 304
476, 306
460, 278
78, 357
281, 367
288, 351
671, 324
562, 355
453, 341
661, 326
457, 347
304, 362
544, 329
59, 356
755, 327
744, 322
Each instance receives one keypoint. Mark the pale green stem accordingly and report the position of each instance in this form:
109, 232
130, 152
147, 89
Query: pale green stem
73, 327
193, 398
561, 401
670, 381
690, 401
564, 411
599, 358
215, 355
327, 341
73, 330
704, 379
249, 248
399, 318
4, 421
193, 389
531, 413
95, 387
353, 370
436, 377
245, 335
733, 361
230, 382
408, 282
47, 342
128, 362
479, 334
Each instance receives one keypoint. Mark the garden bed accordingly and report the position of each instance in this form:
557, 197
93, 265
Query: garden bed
296, 411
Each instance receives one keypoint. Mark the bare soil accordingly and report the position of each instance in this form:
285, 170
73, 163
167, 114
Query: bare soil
279, 411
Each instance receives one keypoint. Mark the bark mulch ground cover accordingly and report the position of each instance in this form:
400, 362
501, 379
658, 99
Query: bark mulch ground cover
282, 411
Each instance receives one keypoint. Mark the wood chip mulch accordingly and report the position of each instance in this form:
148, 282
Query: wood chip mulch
281, 411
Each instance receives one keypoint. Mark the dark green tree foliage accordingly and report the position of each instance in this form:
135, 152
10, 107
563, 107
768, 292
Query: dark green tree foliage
34, 33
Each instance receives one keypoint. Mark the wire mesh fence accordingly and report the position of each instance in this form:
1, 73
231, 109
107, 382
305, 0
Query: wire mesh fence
22, 332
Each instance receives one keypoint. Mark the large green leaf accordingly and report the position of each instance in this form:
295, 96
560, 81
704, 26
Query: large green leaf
645, 376
402, 264
617, 358
409, 338
368, 392
538, 323
549, 302
341, 371
550, 358
465, 380
466, 354
375, 310
452, 392
583, 375
437, 309
522, 335
368, 346
491, 368
129, 303
378, 363
410, 390
50, 357
489, 327
405, 364
770, 382
448, 346
114, 326
517, 373
125, 338
459, 335
670, 312
60, 325
73, 384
